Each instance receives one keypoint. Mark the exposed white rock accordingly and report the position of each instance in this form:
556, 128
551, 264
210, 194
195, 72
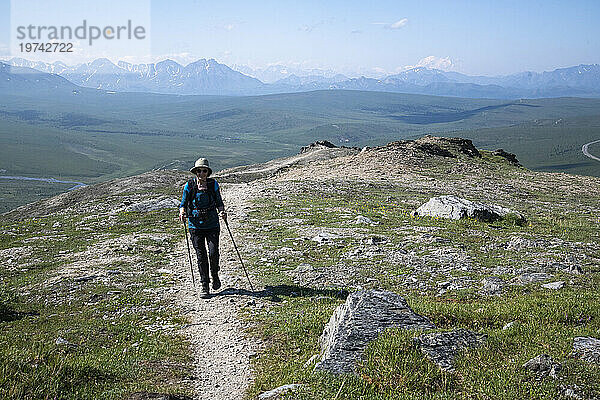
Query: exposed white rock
554, 285
278, 392
454, 207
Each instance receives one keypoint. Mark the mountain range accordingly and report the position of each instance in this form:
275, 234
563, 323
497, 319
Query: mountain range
209, 77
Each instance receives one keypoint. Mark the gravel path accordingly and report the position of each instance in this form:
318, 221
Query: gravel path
222, 351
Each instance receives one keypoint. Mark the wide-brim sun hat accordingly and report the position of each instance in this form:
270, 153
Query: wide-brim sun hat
201, 163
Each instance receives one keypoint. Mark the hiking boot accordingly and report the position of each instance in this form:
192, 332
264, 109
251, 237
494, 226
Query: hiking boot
216, 282
205, 290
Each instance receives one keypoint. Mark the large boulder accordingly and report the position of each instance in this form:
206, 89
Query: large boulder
454, 207
359, 321
442, 347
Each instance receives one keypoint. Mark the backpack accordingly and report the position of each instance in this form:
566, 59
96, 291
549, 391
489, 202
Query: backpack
190, 206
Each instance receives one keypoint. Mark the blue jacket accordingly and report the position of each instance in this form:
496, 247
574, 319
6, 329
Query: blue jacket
203, 200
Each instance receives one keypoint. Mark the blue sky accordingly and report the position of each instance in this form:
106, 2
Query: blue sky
358, 37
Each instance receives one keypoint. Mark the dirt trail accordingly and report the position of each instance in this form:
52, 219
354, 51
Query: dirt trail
221, 350
586, 152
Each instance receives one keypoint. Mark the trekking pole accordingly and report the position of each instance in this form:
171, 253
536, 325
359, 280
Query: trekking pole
238, 253
188, 247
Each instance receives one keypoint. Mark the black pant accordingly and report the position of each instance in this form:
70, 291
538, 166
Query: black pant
200, 238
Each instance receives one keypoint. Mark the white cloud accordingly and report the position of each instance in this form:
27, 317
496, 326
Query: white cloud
399, 24
229, 27
393, 25
442, 63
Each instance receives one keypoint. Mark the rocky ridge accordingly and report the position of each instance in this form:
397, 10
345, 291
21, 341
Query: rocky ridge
405, 174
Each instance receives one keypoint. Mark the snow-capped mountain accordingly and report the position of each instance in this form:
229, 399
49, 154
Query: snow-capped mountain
208, 77
582, 80
200, 77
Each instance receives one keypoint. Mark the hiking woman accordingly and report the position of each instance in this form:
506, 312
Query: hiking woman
202, 204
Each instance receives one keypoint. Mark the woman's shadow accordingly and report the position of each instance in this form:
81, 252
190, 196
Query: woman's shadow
274, 293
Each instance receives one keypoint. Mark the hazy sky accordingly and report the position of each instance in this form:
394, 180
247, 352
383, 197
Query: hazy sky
352, 37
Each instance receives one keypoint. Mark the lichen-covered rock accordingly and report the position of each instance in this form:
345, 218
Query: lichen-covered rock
454, 207
587, 349
543, 365
442, 347
360, 320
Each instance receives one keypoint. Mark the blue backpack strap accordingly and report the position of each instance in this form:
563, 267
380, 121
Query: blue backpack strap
193, 187
210, 187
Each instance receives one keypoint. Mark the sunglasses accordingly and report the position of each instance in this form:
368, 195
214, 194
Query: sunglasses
202, 171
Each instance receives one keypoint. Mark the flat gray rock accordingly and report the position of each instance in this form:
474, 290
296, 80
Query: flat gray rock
533, 277
359, 321
454, 207
586, 349
442, 347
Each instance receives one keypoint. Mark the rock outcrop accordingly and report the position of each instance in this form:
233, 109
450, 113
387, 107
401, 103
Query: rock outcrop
359, 321
319, 144
432, 146
510, 157
454, 207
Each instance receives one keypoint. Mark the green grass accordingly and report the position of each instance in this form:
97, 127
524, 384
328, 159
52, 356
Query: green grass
15, 193
114, 323
128, 133
545, 321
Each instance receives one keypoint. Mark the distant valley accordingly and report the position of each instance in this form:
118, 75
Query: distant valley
53, 128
